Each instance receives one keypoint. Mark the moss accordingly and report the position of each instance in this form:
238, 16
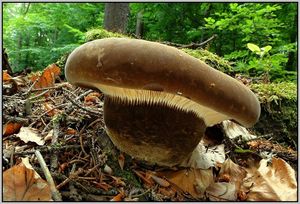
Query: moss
126, 174
279, 111
275, 91
211, 59
99, 33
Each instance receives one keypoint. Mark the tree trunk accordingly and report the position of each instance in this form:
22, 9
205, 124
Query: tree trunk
139, 25
5, 62
292, 63
116, 17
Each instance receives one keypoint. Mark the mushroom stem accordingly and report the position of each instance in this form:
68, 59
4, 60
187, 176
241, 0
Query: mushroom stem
153, 132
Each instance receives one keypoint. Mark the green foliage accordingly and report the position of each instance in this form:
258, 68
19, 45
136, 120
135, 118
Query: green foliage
37, 34
258, 24
264, 63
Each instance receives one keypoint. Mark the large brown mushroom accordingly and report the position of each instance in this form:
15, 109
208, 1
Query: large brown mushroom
158, 99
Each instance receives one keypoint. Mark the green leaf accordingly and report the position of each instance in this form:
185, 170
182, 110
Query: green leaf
267, 48
254, 48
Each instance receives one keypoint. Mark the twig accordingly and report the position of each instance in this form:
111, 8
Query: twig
72, 175
141, 194
81, 140
55, 193
47, 149
39, 95
39, 117
89, 111
192, 45
51, 87
54, 141
84, 94
23, 121
31, 87
12, 156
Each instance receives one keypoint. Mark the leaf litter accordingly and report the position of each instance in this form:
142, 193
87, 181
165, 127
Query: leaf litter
65, 123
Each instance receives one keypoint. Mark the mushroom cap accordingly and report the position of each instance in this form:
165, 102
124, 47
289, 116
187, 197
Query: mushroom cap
120, 66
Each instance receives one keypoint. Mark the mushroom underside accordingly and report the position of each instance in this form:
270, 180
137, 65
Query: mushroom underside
154, 126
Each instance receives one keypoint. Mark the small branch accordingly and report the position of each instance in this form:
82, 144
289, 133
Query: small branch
192, 45
39, 95
31, 87
47, 149
55, 193
87, 110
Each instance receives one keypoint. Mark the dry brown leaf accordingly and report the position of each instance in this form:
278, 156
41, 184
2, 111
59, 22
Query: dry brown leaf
28, 134
192, 181
47, 78
24, 184
11, 128
229, 182
222, 191
118, 197
92, 98
274, 182
235, 172
160, 181
6, 77
121, 160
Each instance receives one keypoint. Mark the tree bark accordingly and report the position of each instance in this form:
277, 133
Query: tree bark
5, 62
116, 17
139, 25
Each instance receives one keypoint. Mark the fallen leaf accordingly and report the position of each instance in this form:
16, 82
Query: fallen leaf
47, 78
233, 130
28, 134
24, 184
160, 181
274, 182
222, 191
233, 172
11, 128
205, 157
118, 197
121, 160
167, 192
92, 98
192, 181
6, 77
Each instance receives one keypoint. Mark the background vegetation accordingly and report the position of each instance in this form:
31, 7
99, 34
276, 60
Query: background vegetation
38, 34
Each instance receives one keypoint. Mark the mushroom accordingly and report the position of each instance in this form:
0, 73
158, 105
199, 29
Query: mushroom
158, 99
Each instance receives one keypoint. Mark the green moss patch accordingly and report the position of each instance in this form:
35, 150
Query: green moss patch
279, 111
211, 59
99, 33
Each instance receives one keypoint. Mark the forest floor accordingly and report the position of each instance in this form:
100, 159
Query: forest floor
47, 120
